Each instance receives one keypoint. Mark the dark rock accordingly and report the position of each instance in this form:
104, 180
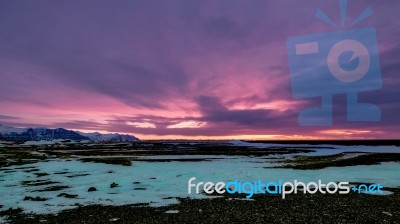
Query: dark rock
41, 174
78, 175
29, 198
65, 195
53, 188
91, 189
114, 161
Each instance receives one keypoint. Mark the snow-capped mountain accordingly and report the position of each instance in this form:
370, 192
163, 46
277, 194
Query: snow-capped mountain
38, 134
47, 134
109, 137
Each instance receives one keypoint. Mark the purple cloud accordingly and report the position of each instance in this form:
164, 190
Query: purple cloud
222, 64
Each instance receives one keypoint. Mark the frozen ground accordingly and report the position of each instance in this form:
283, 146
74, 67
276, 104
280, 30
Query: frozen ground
158, 183
325, 149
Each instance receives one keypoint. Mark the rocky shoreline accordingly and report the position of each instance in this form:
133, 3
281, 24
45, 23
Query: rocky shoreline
300, 208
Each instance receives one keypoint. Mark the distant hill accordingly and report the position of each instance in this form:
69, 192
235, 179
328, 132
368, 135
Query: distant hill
47, 134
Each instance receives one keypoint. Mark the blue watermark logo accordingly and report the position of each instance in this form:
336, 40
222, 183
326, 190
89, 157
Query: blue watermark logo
339, 62
279, 187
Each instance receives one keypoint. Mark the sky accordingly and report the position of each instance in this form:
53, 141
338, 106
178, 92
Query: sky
180, 69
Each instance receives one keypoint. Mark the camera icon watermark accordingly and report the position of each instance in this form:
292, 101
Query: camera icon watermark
340, 62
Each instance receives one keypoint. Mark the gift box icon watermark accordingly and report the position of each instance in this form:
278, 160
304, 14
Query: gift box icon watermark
339, 62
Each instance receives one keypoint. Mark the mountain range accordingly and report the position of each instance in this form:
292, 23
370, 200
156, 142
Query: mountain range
48, 134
